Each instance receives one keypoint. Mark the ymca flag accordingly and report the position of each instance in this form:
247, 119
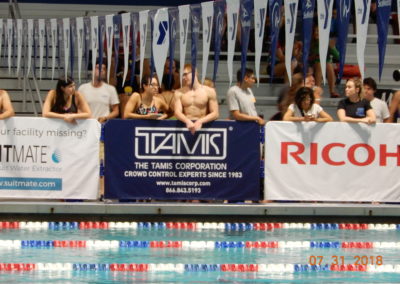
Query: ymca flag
160, 41
308, 7
80, 41
290, 30
30, 45
42, 34
184, 12
94, 31
54, 42
126, 27
116, 28
10, 29
207, 14
382, 21
102, 31
362, 16
246, 10
324, 8
1, 34
343, 8
143, 15
109, 40
232, 9
20, 34
275, 19
134, 29
260, 12
173, 32
219, 12
66, 36
195, 12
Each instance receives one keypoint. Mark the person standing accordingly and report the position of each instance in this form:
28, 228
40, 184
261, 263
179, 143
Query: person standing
241, 100
380, 107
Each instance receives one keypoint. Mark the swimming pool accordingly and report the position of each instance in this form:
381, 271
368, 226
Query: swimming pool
186, 252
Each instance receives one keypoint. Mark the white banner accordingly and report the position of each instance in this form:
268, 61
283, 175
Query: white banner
49, 158
42, 33
290, 30
160, 41
232, 9
10, 28
260, 12
67, 43
80, 37
30, 46
332, 161
53, 27
324, 28
20, 33
184, 12
143, 17
362, 18
126, 28
94, 31
207, 14
109, 37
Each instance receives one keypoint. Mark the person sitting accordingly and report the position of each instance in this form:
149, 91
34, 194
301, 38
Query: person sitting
146, 105
6, 108
395, 108
65, 102
167, 93
310, 82
304, 108
355, 108
380, 107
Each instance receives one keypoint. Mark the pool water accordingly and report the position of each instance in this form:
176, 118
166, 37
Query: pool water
195, 253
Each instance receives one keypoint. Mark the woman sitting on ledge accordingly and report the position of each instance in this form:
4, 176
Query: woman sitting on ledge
146, 105
6, 109
66, 103
355, 108
304, 108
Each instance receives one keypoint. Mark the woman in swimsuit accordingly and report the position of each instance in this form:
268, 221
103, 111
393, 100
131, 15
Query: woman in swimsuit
6, 109
146, 105
66, 103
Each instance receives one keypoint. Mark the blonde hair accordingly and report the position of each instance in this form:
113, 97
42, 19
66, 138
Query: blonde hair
358, 84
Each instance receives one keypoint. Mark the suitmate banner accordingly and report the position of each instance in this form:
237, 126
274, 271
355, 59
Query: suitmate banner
163, 160
49, 158
332, 161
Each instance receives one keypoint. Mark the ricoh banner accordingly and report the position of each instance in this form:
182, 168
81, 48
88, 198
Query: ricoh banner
49, 158
163, 160
332, 161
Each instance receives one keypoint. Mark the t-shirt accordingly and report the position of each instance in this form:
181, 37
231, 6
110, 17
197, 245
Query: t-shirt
381, 109
242, 100
355, 110
314, 110
100, 99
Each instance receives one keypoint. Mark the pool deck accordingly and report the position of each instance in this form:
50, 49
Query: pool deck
21, 210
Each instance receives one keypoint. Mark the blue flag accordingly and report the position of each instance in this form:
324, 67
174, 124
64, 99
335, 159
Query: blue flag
195, 16
219, 12
275, 18
134, 30
246, 10
117, 26
382, 21
102, 31
307, 21
152, 13
343, 8
86, 27
173, 23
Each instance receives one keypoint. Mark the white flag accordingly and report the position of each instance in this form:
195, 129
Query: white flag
1, 34
66, 40
10, 29
20, 32
362, 17
126, 27
109, 38
94, 31
232, 7
41, 25
160, 41
184, 11
207, 14
143, 17
290, 30
80, 38
260, 12
53, 26
324, 27
30, 45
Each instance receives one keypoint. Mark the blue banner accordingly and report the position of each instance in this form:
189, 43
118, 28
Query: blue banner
173, 31
246, 10
163, 160
382, 21
219, 13
343, 8
308, 7
134, 30
275, 19
195, 16
117, 36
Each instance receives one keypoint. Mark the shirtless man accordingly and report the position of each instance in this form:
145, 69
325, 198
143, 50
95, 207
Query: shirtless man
394, 106
6, 109
195, 105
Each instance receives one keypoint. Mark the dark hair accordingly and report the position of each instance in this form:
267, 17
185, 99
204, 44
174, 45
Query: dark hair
168, 82
247, 73
60, 102
370, 82
302, 94
146, 80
